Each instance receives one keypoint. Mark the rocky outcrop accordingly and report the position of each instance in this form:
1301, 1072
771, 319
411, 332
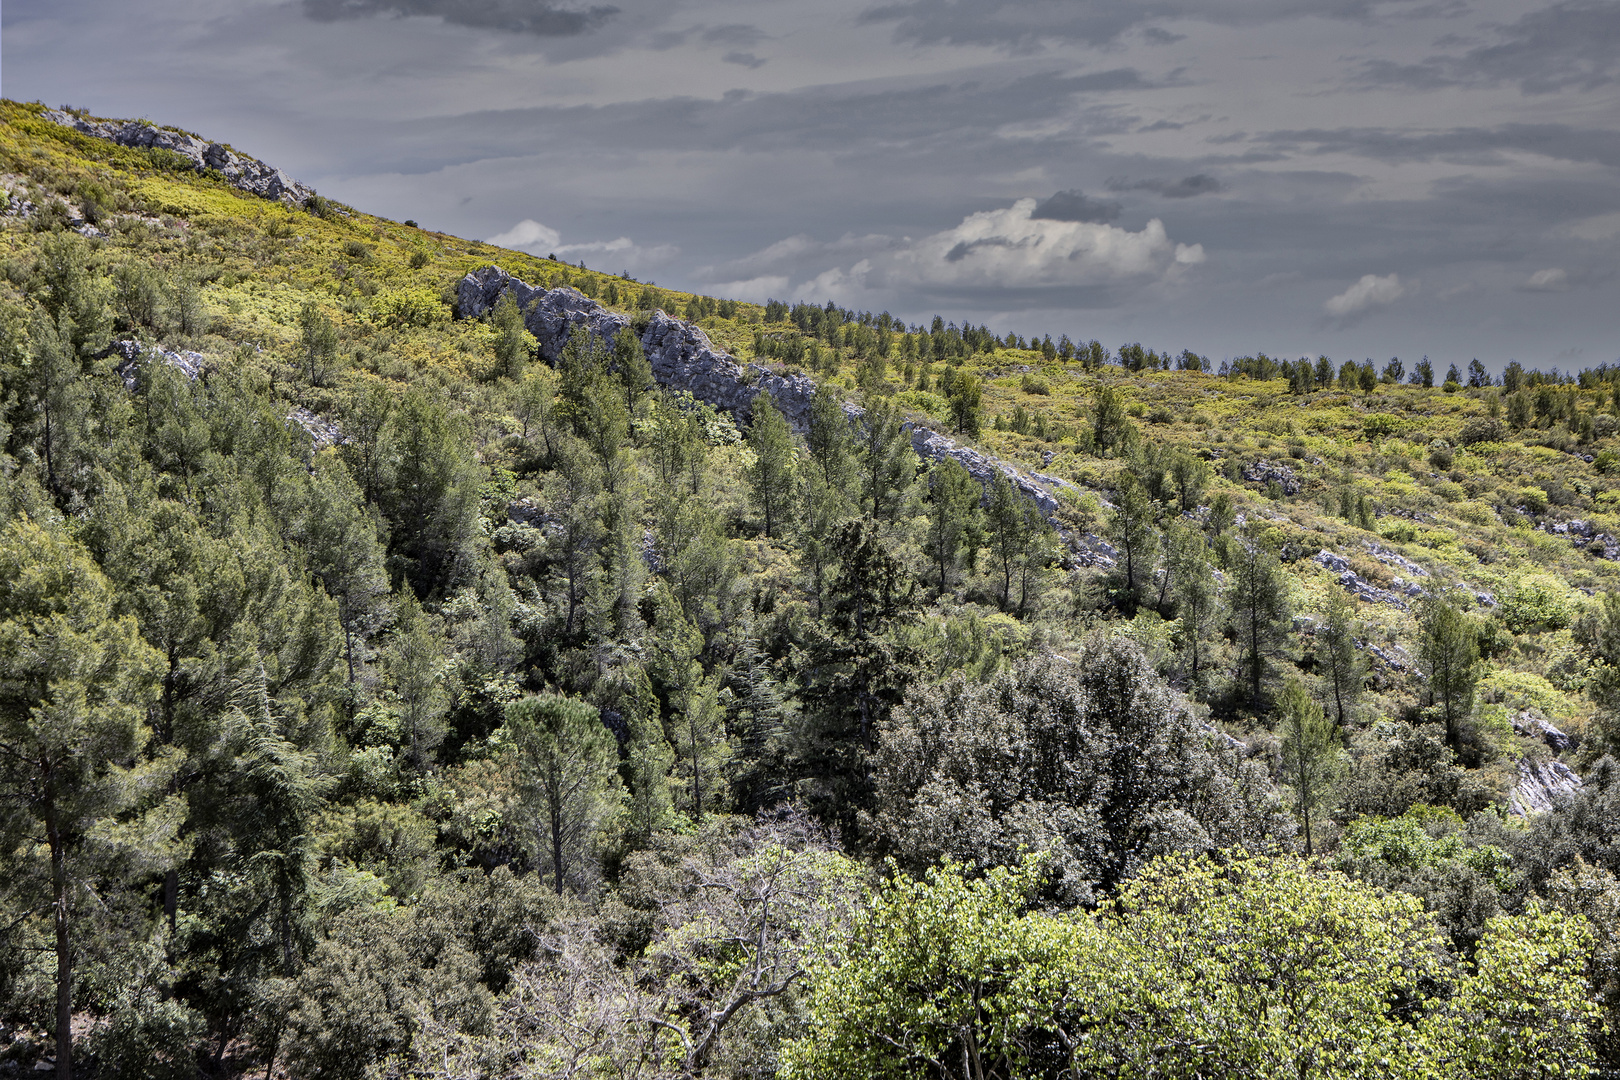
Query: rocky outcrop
1264, 472
1359, 586
683, 358
1541, 786
1532, 725
247, 174
133, 357
1395, 559
932, 446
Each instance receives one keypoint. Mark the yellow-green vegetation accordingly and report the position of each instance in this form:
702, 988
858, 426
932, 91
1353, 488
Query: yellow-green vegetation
382, 697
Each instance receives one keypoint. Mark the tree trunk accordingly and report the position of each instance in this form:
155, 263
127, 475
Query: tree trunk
556, 843
64, 944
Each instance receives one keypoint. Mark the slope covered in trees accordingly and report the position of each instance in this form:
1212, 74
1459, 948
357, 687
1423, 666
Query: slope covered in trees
378, 698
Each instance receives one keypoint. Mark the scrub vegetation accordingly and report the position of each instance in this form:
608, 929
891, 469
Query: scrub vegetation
380, 699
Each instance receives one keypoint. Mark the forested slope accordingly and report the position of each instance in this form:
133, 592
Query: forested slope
396, 686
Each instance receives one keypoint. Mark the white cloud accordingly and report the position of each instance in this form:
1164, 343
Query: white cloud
1370, 292
1598, 228
789, 253
757, 290
1010, 249
1551, 279
840, 286
527, 233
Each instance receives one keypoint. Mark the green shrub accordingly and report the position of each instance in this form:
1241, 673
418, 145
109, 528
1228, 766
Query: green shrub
1534, 603
1380, 425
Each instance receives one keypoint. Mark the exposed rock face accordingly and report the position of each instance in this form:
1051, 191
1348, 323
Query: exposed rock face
1359, 586
1264, 472
1542, 785
681, 354
1533, 725
248, 174
1602, 546
1395, 559
1583, 536
683, 358
134, 356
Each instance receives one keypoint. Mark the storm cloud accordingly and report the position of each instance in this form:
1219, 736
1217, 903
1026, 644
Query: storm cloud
1368, 178
513, 16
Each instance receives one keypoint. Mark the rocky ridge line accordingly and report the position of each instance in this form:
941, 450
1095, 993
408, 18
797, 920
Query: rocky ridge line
247, 174
683, 358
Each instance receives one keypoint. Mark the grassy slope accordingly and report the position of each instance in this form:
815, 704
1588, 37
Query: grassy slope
257, 263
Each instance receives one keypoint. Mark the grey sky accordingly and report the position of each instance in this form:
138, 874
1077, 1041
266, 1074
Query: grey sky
1353, 177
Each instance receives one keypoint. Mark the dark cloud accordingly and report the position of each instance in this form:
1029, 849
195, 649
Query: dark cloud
1185, 188
1076, 205
1156, 35
744, 59
923, 123
514, 16
739, 34
1022, 25
1462, 146
1572, 44
1569, 45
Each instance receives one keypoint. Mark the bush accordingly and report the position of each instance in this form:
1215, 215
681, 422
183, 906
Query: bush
1380, 425
1534, 603
1033, 384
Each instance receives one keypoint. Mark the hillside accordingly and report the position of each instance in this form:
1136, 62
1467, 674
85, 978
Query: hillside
417, 667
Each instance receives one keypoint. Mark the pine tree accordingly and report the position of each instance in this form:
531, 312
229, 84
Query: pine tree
633, 369
888, 464
75, 684
1341, 663
1448, 653
771, 474
513, 342
1187, 565
1006, 527
702, 749
1111, 427
1260, 611
415, 664
1131, 528
318, 339
954, 528
1311, 754
568, 768
647, 762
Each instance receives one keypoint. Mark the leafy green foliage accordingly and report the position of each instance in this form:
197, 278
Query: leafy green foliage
419, 673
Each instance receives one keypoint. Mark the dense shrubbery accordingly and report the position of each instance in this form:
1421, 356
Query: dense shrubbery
378, 699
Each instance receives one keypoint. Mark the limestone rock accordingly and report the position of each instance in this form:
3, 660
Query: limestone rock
1542, 785
135, 356
1359, 586
1395, 559
245, 173
193, 365
683, 358
1533, 725
322, 432
1264, 472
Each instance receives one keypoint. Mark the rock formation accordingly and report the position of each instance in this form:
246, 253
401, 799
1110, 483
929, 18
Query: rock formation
134, 356
1541, 786
248, 174
683, 358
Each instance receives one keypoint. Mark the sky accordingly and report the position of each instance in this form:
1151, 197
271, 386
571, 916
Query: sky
1357, 178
